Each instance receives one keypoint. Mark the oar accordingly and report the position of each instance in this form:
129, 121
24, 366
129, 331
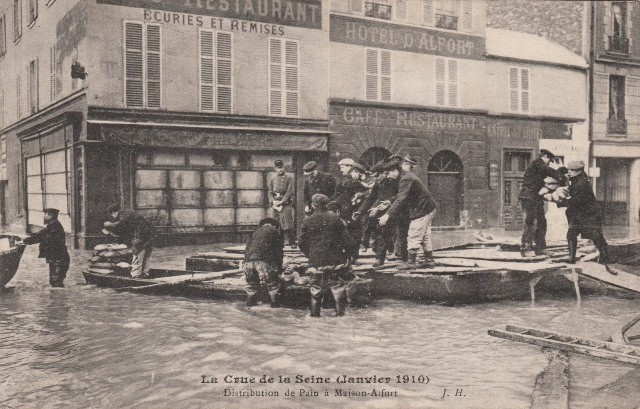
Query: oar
185, 279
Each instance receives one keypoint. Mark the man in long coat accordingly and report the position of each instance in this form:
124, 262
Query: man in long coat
53, 247
263, 259
281, 190
387, 190
316, 182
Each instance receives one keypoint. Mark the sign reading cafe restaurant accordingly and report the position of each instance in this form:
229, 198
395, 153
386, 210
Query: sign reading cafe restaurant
296, 13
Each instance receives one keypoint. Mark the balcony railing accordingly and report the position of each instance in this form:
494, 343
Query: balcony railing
446, 21
619, 44
616, 126
377, 10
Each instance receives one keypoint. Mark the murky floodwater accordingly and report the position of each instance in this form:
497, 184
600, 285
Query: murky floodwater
85, 347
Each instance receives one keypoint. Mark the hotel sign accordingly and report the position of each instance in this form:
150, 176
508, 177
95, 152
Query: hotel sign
296, 13
379, 34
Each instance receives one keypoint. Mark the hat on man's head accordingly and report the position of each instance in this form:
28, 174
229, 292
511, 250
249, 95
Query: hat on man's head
278, 163
310, 166
271, 221
51, 211
358, 167
333, 206
410, 160
347, 162
114, 208
547, 153
575, 165
393, 165
320, 200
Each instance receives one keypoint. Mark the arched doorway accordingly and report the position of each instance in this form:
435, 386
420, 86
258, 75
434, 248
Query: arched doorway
445, 183
373, 155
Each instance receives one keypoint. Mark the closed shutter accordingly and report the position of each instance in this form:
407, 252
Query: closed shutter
1, 108
440, 81
357, 6
524, 87
467, 15
34, 104
154, 59
513, 89
52, 73
206, 71
134, 96
18, 98
275, 76
385, 75
428, 12
401, 9
371, 74
453, 83
630, 24
606, 15
291, 77
224, 72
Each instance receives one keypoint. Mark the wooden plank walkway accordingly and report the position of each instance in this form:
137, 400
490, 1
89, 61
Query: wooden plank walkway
599, 272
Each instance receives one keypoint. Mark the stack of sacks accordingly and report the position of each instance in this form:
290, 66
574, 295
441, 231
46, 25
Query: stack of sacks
553, 192
111, 259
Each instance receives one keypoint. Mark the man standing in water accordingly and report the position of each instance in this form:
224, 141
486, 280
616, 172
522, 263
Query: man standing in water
327, 244
263, 261
53, 247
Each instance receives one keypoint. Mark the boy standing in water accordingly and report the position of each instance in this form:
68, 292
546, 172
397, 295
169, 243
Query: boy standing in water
53, 247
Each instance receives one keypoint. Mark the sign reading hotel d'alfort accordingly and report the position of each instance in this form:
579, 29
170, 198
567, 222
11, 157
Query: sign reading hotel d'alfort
370, 33
296, 13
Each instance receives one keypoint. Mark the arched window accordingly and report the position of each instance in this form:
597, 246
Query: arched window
373, 155
445, 162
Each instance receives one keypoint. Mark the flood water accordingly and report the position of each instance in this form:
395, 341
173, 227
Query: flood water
85, 347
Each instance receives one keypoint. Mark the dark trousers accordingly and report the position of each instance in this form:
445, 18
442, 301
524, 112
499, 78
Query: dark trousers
290, 236
338, 279
58, 272
354, 227
259, 273
593, 233
402, 230
535, 224
383, 239
368, 229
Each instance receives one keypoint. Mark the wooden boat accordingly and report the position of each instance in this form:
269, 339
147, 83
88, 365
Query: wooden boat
10, 256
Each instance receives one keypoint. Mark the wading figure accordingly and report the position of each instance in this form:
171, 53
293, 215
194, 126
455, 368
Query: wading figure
53, 247
327, 244
263, 261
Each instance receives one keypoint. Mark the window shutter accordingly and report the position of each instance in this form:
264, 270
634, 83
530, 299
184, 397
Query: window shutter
224, 72
513, 89
453, 83
33, 103
275, 76
440, 84
401, 9
606, 15
154, 91
467, 15
291, 77
385, 75
630, 23
133, 65
357, 6
1, 108
371, 74
52, 73
428, 12
206, 70
524, 86
18, 98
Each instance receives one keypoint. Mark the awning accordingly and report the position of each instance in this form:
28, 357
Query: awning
197, 136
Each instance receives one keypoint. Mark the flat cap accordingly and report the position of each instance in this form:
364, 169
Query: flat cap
393, 165
575, 165
546, 152
51, 211
320, 200
271, 221
410, 160
114, 208
358, 167
347, 162
278, 163
309, 166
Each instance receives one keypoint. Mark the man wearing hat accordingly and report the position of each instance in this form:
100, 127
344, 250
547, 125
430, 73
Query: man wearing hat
53, 247
583, 213
316, 182
386, 194
535, 223
263, 257
347, 187
137, 233
326, 242
414, 195
281, 190
372, 184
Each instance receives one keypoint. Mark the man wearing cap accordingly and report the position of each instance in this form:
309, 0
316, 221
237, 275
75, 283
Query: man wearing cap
53, 247
583, 213
281, 190
326, 242
316, 182
372, 184
386, 195
535, 223
263, 257
421, 206
347, 187
136, 232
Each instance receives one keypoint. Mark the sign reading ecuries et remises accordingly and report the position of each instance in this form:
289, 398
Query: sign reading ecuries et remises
379, 34
296, 13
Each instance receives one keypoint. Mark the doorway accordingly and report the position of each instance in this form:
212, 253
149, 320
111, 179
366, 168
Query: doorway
445, 183
514, 165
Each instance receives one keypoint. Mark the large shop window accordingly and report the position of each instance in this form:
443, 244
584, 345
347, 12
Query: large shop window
215, 71
447, 82
143, 65
519, 89
48, 181
616, 122
377, 75
283, 77
197, 191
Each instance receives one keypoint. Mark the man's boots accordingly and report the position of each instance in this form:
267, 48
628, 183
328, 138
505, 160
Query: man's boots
603, 248
410, 264
379, 262
316, 305
252, 300
429, 262
573, 248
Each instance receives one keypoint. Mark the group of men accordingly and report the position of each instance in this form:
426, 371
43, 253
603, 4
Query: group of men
388, 202
582, 211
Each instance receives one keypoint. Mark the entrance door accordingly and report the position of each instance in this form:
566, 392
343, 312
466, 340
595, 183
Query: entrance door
445, 184
514, 165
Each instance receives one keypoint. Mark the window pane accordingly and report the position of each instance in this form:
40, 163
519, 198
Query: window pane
219, 198
219, 217
186, 217
249, 180
150, 179
150, 199
184, 179
250, 198
56, 183
250, 216
218, 179
166, 158
186, 198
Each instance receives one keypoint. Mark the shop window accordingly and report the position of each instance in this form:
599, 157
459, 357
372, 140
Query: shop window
378, 75
616, 123
283, 77
33, 87
142, 67
17, 20
215, 71
519, 89
33, 11
48, 178
446, 82
3, 36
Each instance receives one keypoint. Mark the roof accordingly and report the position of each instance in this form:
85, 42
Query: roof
530, 47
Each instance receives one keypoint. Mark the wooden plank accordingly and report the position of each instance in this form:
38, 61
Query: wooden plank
197, 276
599, 272
551, 389
221, 255
488, 254
540, 267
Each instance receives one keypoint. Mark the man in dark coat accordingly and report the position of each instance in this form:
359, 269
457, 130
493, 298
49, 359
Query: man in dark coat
263, 257
136, 232
53, 247
325, 241
583, 213
316, 182
386, 195
281, 191
413, 194
347, 187
535, 223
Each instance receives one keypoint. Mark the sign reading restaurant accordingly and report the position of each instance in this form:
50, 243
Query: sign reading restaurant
296, 13
370, 33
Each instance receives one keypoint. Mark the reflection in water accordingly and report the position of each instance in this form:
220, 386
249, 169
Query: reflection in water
89, 347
